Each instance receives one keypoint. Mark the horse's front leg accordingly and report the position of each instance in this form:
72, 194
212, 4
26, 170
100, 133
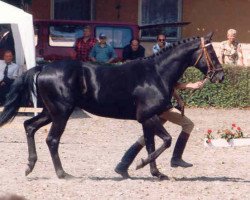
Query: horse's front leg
151, 126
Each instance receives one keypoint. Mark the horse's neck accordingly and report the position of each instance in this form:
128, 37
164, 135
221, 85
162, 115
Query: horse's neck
173, 70
172, 65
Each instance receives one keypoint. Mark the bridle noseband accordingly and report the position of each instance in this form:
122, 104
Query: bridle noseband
211, 68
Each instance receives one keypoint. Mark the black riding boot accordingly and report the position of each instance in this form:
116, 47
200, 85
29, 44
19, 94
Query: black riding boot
180, 145
127, 159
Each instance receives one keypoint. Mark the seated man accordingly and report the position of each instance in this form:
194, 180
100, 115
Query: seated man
8, 72
133, 50
102, 52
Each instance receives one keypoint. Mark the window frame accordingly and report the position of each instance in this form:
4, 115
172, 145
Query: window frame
150, 38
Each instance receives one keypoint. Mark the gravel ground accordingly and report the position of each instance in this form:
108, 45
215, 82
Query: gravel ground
92, 146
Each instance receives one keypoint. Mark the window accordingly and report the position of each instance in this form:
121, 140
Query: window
161, 12
64, 35
72, 10
118, 37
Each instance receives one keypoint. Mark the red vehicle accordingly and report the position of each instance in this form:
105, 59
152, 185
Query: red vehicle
55, 38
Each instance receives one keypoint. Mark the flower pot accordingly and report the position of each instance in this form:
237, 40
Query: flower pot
225, 143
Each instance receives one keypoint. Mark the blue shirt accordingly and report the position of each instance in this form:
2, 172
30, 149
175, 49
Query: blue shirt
102, 54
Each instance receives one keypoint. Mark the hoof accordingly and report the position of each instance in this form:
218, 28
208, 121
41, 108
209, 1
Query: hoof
160, 176
28, 171
140, 165
163, 177
63, 175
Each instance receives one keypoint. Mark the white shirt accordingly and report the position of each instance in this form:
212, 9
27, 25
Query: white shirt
13, 70
156, 47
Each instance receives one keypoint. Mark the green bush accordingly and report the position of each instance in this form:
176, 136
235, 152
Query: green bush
233, 92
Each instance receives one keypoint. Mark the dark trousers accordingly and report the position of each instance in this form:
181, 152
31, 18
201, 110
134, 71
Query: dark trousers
4, 89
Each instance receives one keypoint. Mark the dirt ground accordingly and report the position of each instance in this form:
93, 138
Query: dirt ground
92, 146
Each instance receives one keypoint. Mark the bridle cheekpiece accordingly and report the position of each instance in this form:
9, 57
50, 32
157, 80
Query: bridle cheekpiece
211, 68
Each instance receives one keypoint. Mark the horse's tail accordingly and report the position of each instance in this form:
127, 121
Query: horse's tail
19, 93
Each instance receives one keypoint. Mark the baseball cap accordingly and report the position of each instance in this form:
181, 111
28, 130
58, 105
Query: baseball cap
102, 35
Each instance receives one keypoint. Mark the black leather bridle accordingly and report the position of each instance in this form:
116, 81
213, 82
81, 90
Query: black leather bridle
211, 68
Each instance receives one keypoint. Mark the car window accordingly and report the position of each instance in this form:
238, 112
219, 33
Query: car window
64, 35
118, 37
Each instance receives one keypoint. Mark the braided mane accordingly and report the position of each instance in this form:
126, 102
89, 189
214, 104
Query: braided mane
170, 47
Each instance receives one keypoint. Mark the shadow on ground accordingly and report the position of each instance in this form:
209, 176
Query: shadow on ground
153, 179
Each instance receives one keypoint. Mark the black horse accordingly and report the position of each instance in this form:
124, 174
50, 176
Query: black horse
138, 90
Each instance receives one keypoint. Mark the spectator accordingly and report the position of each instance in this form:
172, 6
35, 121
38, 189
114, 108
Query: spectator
161, 43
230, 50
133, 50
84, 45
102, 52
8, 72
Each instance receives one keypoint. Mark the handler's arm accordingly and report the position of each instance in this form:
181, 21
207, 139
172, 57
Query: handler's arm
196, 85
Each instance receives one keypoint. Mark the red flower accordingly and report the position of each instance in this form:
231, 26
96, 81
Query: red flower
233, 125
208, 141
209, 131
238, 128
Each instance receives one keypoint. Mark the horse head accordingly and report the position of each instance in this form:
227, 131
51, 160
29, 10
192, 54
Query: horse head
206, 60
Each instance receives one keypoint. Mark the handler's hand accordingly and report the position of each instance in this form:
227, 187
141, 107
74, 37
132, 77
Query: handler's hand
198, 84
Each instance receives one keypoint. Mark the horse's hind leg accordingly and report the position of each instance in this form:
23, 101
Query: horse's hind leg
150, 126
31, 126
58, 125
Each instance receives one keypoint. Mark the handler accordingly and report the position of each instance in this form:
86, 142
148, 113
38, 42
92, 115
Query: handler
175, 116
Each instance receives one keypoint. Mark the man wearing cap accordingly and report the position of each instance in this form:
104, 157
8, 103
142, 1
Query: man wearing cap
102, 52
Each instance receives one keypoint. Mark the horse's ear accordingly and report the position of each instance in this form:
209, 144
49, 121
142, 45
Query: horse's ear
209, 36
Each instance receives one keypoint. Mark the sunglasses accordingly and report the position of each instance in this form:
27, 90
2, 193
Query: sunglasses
161, 40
